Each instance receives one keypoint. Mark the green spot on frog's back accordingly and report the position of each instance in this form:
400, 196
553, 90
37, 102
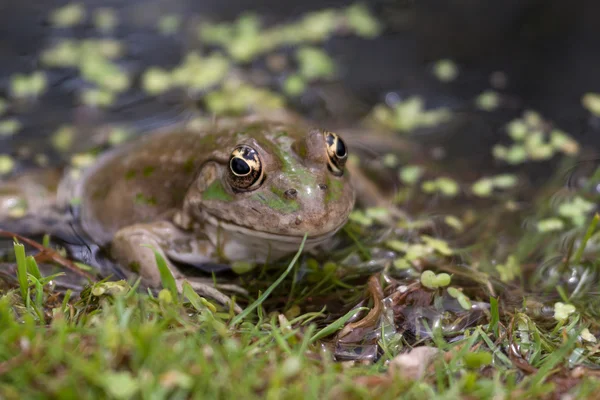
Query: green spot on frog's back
148, 171
335, 189
140, 198
216, 191
188, 166
130, 174
275, 201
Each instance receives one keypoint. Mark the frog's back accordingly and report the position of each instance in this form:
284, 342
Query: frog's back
142, 181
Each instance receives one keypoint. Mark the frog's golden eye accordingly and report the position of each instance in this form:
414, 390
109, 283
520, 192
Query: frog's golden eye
245, 168
337, 152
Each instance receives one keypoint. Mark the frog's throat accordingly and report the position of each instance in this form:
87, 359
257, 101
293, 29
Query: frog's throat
275, 237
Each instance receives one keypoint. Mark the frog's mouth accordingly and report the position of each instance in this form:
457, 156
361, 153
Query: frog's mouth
312, 240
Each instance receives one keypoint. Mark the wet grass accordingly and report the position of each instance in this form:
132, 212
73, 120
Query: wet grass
114, 340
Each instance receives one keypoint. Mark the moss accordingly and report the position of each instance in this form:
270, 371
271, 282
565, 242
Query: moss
335, 189
216, 191
140, 198
147, 171
277, 202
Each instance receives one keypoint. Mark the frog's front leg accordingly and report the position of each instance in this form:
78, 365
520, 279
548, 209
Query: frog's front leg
134, 247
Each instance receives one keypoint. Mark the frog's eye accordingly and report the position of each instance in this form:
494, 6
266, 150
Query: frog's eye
337, 152
245, 168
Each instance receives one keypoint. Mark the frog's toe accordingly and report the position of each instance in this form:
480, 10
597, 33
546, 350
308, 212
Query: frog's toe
133, 247
208, 290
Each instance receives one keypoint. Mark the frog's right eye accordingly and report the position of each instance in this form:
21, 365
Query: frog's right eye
245, 168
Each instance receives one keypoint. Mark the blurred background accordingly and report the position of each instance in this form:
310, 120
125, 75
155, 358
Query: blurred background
523, 55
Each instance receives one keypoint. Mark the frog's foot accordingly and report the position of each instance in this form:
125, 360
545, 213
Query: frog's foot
134, 247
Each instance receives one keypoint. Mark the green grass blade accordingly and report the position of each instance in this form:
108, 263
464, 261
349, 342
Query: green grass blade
166, 277
21, 268
32, 267
553, 359
336, 325
495, 316
588, 235
270, 289
199, 303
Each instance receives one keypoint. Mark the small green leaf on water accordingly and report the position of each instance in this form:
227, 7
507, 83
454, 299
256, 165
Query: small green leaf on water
445, 70
6, 164
563, 142
105, 19
62, 139
24, 86
68, 15
401, 263
488, 100
156, 81
432, 281
516, 154
362, 22
314, 63
591, 102
439, 245
390, 160
447, 187
517, 130
380, 214
294, 85
443, 279
454, 222
360, 218
169, 24
462, 299
550, 225
411, 174
504, 181
9, 127
483, 187
97, 97
82, 160
562, 311
118, 135
576, 209
428, 279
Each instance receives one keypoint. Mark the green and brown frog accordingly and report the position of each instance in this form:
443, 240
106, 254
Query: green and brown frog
231, 190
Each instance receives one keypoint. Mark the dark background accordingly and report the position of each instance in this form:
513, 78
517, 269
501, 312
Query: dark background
549, 49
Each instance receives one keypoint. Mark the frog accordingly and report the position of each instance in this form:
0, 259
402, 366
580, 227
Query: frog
231, 190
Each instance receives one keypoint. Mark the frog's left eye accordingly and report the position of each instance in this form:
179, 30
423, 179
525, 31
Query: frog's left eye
245, 168
337, 152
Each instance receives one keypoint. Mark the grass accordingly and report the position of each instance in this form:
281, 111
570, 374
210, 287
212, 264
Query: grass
116, 341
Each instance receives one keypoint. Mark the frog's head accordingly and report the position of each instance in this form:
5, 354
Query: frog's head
279, 183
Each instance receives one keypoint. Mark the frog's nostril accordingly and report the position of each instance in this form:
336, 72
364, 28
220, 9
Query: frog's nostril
322, 186
291, 193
